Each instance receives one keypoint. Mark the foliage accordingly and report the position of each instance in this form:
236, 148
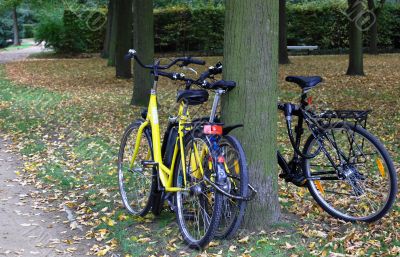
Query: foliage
6, 22
190, 3
68, 119
181, 28
6, 32
68, 31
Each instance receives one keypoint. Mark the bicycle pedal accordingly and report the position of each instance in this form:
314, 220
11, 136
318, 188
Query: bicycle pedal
149, 163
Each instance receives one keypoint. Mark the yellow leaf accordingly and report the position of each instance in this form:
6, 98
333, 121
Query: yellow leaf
232, 248
213, 244
244, 240
144, 240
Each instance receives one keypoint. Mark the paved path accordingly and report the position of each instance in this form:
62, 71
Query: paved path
17, 55
27, 227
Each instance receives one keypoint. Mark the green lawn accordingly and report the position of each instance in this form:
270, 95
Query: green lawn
13, 47
66, 118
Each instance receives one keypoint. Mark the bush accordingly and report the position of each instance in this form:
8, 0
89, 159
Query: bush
28, 30
183, 29
70, 32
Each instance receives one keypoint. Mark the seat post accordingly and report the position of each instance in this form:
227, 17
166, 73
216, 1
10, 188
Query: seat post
217, 97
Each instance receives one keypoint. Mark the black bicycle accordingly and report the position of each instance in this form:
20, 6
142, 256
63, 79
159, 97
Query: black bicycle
346, 169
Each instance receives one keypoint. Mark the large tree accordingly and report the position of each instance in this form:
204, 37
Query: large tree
283, 53
375, 7
143, 43
124, 38
355, 15
250, 59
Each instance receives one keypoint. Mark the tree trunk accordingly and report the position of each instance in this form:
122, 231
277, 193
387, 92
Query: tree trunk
113, 36
106, 45
283, 53
373, 37
373, 31
355, 38
124, 38
250, 59
143, 43
16, 30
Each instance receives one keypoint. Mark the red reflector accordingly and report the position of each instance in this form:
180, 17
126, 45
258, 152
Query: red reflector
212, 129
309, 100
221, 159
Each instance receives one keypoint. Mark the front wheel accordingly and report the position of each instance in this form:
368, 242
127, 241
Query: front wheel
238, 178
353, 177
136, 181
198, 206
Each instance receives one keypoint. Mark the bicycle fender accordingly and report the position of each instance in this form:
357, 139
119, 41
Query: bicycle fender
228, 129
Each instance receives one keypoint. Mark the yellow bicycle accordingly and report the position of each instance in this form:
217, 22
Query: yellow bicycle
191, 170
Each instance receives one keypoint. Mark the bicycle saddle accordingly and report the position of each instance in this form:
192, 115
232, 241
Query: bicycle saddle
192, 97
306, 83
223, 84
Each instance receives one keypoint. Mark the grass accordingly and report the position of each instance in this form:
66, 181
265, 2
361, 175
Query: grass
66, 117
13, 47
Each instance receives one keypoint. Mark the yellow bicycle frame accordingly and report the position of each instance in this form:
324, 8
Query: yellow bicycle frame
165, 173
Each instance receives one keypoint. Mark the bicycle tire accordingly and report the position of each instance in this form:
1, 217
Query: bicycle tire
142, 178
184, 216
388, 171
230, 222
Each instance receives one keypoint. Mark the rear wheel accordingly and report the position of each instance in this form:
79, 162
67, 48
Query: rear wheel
363, 185
136, 181
198, 207
238, 179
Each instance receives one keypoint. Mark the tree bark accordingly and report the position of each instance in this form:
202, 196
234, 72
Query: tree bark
143, 43
373, 37
106, 45
356, 65
113, 36
124, 38
15, 26
283, 53
250, 59
373, 31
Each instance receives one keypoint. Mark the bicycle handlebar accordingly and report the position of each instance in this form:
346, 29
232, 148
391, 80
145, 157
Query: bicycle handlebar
211, 71
202, 82
185, 61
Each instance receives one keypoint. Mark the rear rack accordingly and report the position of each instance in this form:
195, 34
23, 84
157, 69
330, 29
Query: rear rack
358, 117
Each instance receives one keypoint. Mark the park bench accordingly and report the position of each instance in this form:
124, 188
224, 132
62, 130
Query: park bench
302, 48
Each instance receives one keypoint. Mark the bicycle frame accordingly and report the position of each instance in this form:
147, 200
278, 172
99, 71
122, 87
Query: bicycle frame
165, 173
289, 169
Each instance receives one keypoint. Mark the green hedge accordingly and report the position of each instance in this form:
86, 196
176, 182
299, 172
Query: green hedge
325, 25
71, 32
180, 29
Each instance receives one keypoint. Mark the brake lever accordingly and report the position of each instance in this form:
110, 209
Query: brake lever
190, 69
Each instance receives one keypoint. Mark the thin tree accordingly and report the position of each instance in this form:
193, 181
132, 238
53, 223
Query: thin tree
375, 8
124, 38
355, 15
113, 35
106, 45
250, 59
12, 5
283, 53
143, 43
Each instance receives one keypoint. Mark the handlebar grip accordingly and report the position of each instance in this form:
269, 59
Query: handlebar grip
196, 61
189, 60
131, 54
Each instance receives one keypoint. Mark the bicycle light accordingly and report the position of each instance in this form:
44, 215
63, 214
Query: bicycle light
213, 130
